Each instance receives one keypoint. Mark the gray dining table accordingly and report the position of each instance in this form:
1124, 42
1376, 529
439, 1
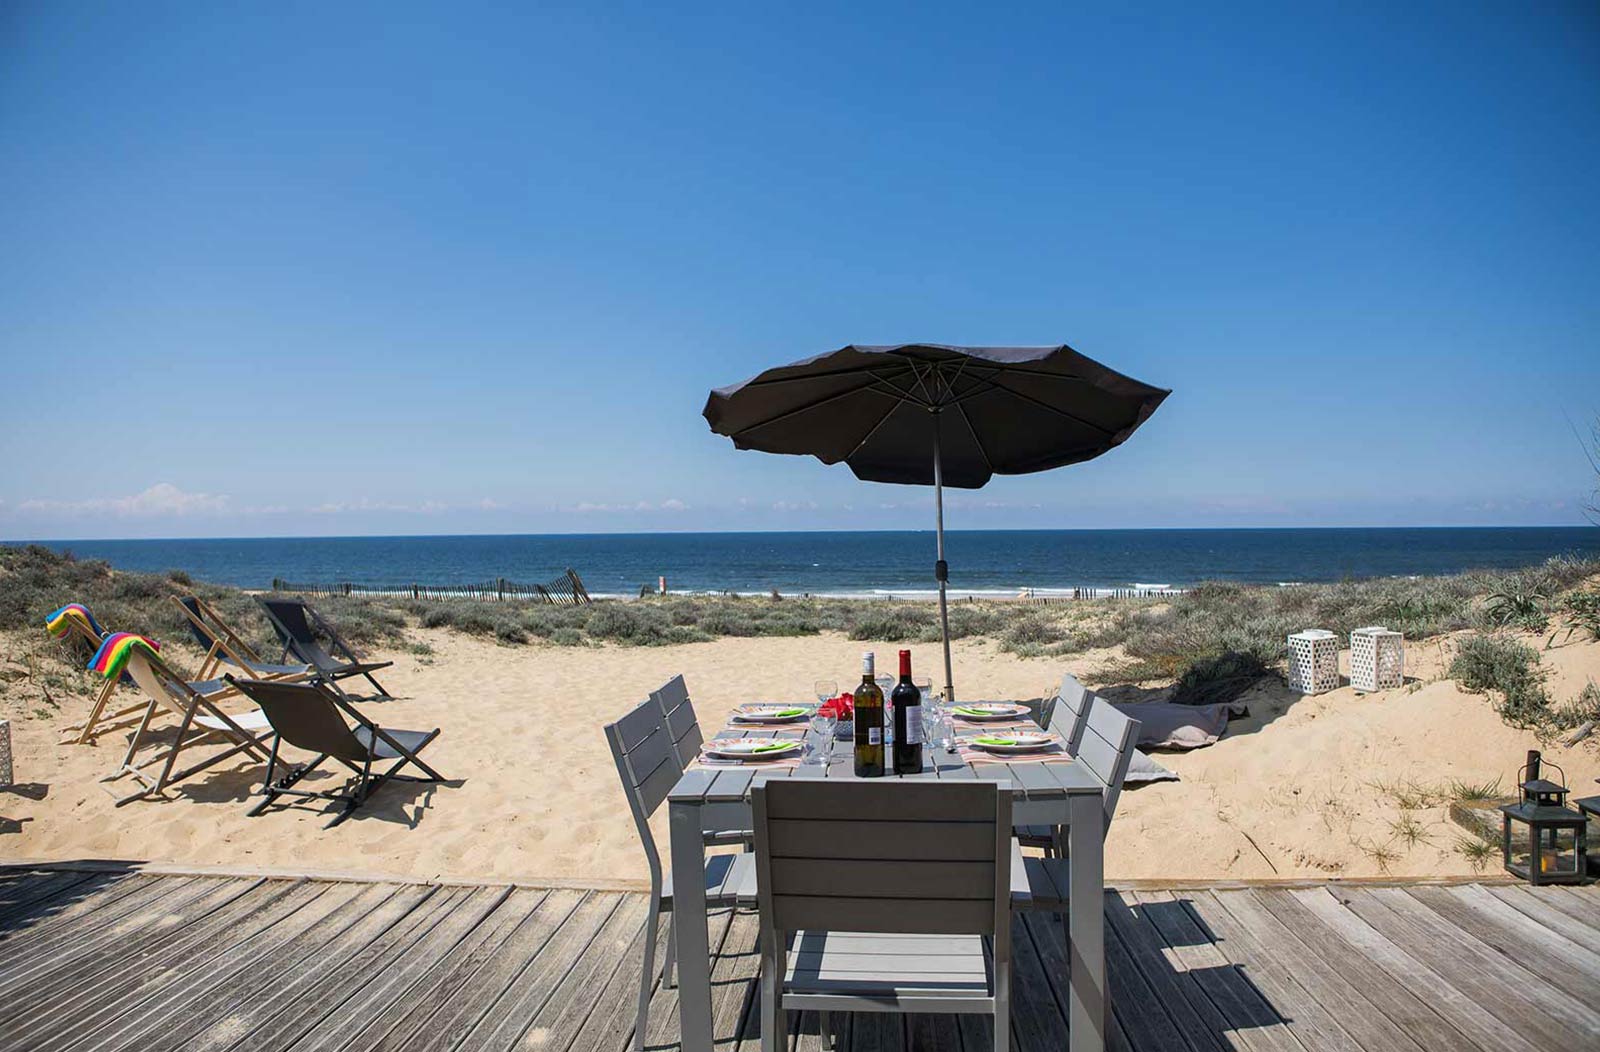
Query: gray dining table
708, 799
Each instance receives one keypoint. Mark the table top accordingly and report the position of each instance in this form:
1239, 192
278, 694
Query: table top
1030, 780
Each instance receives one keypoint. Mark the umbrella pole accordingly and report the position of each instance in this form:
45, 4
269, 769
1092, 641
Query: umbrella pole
940, 569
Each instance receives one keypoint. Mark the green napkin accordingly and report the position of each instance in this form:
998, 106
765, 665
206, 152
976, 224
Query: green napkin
770, 748
781, 712
990, 739
964, 711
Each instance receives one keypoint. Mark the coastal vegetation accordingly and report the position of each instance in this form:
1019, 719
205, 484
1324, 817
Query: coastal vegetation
1212, 642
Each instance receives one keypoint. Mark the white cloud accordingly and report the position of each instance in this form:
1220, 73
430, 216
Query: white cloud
598, 507
162, 499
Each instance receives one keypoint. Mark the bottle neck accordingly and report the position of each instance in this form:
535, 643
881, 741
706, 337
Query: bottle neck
905, 666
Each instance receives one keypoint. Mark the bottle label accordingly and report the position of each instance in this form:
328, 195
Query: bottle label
913, 725
874, 735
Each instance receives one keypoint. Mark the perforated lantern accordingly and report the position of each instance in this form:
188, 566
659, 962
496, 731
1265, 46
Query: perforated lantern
1543, 840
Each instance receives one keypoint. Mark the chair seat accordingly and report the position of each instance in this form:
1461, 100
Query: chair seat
254, 720
884, 970
353, 668
1035, 836
730, 881
411, 741
730, 836
260, 668
1038, 883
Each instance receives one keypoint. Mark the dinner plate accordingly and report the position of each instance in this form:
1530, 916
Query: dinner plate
1024, 741
771, 714
990, 711
752, 748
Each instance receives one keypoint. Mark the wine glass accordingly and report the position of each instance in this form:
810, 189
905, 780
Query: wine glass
825, 689
822, 726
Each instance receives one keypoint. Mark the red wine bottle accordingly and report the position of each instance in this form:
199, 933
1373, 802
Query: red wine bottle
907, 721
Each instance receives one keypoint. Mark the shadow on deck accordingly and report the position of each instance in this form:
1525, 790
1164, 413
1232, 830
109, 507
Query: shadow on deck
105, 960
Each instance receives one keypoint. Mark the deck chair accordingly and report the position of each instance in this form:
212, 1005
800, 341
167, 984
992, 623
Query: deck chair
201, 721
1069, 711
683, 728
81, 631
883, 896
293, 620
311, 716
646, 762
1105, 747
226, 646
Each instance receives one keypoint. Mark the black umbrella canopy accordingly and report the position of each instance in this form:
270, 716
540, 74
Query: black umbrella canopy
1000, 410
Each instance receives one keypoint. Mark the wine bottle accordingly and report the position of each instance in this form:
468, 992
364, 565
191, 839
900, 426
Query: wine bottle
869, 722
907, 701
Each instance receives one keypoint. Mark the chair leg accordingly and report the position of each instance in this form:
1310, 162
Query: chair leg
647, 974
375, 683
1002, 1010
825, 1031
771, 1003
670, 958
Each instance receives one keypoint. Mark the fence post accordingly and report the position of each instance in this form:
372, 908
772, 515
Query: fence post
500, 584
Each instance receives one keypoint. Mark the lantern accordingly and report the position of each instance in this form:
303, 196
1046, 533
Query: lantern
1543, 840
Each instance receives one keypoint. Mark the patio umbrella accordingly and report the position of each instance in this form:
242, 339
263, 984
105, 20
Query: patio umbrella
929, 414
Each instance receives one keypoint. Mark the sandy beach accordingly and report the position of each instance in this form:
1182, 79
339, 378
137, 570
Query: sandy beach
1311, 787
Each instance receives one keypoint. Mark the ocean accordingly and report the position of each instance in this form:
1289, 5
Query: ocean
996, 563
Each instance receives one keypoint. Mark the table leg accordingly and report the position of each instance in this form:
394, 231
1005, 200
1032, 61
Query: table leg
689, 926
1086, 1017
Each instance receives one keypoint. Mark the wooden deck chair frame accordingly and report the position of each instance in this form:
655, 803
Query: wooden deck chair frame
359, 755
228, 646
102, 696
164, 688
354, 666
647, 763
862, 909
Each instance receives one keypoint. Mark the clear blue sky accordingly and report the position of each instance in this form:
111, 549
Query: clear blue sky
390, 268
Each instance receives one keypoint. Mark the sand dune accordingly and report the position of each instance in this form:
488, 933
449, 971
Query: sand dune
1294, 790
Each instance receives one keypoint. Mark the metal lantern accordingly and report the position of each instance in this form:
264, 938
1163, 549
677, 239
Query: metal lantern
1549, 844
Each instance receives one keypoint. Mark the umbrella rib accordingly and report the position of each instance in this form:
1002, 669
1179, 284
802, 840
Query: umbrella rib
975, 439
1054, 409
786, 414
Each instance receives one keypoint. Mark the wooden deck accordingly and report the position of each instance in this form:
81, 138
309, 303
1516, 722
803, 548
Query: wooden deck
123, 960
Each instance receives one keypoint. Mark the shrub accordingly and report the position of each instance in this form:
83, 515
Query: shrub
1518, 605
1220, 678
1581, 613
1491, 665
567, 637
893, 622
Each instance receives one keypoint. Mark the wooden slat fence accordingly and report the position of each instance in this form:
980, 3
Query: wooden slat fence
566, 590
1088, 592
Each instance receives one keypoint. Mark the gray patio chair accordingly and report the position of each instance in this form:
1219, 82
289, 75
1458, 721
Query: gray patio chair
683, 728
1105, 747
648, 766
297, 625
311, 716
883, 897
1069, 711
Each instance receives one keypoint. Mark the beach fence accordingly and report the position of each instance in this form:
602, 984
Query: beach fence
566, 590
1079, 594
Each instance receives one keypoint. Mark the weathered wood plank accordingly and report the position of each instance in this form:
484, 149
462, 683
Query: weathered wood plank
1584, 911
1514, 932
530, 990
1520, 898
374, 1006
1518, 996
1267, 960
1049, 937
109, 975
97, 936
125, 986
111, 901
1250, 1017
237, 1009
239, 964
22, 906
292, 1020
608, 1026
1191, 1011
662, 1032
582, 991
411, 1013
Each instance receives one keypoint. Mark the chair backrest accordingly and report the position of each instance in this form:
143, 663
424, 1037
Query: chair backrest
878, 856
306, 716
1071, 712
197, 623
682, 726
158, 682
289, 621
648, 768
1105, 748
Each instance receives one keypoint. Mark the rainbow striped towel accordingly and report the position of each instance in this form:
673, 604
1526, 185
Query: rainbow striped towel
113, 654
60, 623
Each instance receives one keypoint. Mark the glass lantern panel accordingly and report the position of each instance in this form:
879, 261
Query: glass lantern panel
1521, 844
1558, 851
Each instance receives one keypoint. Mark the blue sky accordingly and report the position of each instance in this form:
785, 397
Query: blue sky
311, 269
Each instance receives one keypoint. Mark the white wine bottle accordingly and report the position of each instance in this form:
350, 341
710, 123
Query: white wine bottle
869, 722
